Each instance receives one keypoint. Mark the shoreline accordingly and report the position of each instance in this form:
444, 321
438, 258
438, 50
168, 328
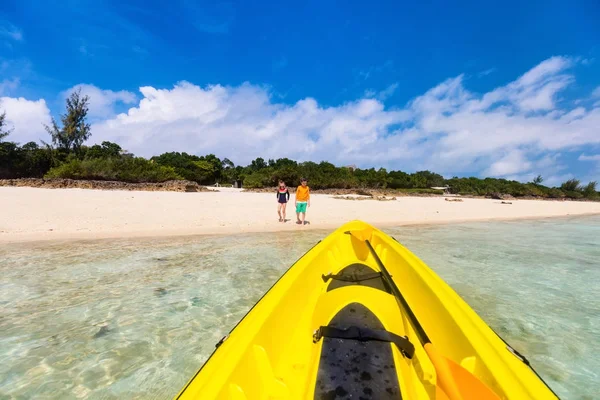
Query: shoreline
42, 215
92, 237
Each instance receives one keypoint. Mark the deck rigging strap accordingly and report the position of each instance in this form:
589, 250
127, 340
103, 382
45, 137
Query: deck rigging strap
365, 334
351, 278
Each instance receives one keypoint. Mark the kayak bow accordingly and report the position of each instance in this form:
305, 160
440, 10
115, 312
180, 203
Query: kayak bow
360, 316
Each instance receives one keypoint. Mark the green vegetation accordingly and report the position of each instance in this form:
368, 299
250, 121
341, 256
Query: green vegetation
68, 157
75, 129
134, 169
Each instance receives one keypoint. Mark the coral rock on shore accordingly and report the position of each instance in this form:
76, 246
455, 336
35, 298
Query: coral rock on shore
171, 186
378, 198
500, 196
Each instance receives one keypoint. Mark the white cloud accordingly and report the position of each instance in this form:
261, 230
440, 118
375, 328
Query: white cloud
512, 163
596, 92
102, 102
382, 95
10, 31
516, 130
595, 157
536, 89
486, 72
557, 180
242, 123
387, 92
448, 129
369, 93
9, 85
26, 117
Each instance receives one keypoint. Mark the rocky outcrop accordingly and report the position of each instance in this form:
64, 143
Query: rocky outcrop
170, 186
500, 196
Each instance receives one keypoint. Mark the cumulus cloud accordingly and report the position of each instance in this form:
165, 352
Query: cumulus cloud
243, 123
102, 102
515, 131
450, 129
26, 117
513, 162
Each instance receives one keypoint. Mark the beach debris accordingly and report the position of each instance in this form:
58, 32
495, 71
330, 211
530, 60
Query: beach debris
102, 332
362, 192
506, 202
378, 198
447, 199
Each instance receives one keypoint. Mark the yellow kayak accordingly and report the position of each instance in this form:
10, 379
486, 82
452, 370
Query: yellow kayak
360, 317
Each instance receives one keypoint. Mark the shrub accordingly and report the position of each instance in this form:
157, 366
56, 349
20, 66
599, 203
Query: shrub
135, 169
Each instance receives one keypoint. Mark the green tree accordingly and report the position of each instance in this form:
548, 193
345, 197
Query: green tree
204, 171
227, 163
217, 168
106, 150
426, 179
228, 171
589, 190
258, 164
398, 180
258, 179
4, 132
75, 130
572, 185
538, 180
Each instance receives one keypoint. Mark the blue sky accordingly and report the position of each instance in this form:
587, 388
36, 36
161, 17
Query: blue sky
388, 84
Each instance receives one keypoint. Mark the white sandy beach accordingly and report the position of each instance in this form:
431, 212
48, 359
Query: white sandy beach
29, 214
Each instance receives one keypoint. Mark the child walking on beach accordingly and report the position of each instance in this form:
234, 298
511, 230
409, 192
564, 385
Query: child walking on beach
283, 195
302, 200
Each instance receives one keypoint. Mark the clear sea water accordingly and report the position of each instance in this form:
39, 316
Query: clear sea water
135, 319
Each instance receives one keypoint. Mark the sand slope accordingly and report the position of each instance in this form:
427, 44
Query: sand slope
34, 214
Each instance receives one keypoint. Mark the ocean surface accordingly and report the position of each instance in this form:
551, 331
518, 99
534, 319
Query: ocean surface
135, 319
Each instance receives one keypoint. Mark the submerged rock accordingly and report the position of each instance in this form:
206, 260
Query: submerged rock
102, 332
196, 301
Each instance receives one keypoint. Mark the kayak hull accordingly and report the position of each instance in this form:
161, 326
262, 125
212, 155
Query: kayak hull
275, 353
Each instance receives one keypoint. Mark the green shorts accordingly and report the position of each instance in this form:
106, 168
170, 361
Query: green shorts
301, 207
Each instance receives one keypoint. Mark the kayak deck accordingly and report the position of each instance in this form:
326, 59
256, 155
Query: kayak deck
356, 369
275, 352
350, 368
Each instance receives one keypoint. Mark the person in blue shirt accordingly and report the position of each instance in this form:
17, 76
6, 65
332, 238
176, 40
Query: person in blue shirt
283, 196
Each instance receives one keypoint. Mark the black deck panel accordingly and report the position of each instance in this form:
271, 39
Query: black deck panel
349, 369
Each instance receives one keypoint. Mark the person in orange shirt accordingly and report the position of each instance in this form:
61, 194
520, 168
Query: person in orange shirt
302, 197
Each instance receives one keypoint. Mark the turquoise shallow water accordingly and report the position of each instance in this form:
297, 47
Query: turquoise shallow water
134, 319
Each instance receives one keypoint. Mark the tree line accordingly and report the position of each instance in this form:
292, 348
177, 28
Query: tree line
67, 157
